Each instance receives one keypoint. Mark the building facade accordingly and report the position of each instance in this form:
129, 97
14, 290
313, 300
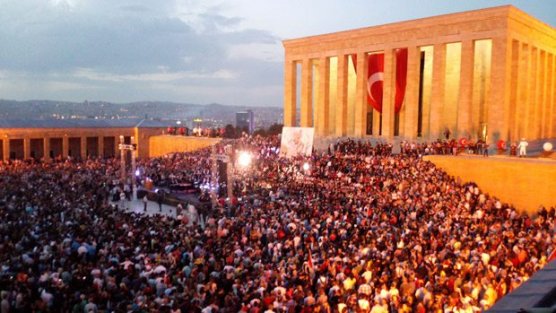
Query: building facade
246, 120
48, 139
487, 74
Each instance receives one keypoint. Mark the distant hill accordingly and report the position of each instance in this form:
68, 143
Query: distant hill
214, 114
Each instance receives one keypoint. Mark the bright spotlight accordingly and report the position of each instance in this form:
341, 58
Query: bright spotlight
547, 146
137, 173
306, 166
244, 159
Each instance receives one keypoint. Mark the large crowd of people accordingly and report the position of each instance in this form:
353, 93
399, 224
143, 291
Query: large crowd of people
358, 230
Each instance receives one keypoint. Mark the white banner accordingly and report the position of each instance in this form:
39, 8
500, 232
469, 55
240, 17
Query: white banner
297, 141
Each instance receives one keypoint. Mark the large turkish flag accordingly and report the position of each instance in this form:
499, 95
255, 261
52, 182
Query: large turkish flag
401, 77
375, 78
375, 81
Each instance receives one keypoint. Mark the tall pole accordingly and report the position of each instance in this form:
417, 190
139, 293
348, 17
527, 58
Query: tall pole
122, 159
230, 174
213, 181
229, 171
133, 169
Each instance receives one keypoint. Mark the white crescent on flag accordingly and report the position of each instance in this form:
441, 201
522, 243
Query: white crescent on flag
376, 77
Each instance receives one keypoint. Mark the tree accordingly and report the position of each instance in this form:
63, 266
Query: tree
274, 129
260, 132
230, 131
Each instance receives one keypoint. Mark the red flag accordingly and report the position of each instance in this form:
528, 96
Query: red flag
375, 78
552, 255
375, 81
401, 77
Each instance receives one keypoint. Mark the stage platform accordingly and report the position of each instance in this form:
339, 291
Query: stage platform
526, 183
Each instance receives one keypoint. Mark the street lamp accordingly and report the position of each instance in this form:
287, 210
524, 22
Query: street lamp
133, 149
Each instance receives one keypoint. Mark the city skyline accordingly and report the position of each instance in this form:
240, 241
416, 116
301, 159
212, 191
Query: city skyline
180, 51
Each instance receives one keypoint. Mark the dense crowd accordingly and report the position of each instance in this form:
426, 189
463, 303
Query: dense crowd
444, 147
361, 230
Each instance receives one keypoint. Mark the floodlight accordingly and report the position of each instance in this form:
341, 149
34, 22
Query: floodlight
244, 159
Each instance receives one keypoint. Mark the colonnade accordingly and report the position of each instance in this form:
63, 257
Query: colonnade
490, 79
47, 147
533, 92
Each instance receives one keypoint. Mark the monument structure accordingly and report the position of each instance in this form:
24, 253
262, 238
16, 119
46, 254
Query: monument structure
487, 74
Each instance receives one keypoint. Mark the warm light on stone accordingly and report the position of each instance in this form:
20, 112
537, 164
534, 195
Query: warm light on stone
486, 74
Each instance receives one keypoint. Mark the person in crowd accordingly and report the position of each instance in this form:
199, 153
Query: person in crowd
365, 230
160, 199
145, 202
513, 149
522, 146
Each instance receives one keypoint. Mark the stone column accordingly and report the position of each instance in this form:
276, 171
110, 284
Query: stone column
530, 124
539, 101
322, 123
122, 160
545, 96
26, 148
389, 93
341, 109
500, 81
83, 142
6, 148
100, 139
465, 88
376, 122
46, 148
522, 103
361, 95
411, 99
65, 146
550, 131
512, 85
306, 93
116, 143
437, 97
290, 77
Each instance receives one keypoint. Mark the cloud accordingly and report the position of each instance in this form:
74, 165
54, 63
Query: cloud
129, 45
122, 41
260, 51
153, 77
58, 86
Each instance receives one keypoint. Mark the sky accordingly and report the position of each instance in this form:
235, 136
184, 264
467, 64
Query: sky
186, 51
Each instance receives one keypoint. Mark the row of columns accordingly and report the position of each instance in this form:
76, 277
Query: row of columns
322, 101
46, 143
533, 102
529, 113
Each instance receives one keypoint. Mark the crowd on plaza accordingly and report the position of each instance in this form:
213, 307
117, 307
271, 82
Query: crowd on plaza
444, 147
360, 230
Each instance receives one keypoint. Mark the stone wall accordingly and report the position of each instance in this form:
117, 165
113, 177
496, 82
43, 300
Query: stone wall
525, 183
164, 144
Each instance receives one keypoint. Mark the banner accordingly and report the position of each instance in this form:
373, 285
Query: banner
375, 78
297, 141
375, 81
401, 77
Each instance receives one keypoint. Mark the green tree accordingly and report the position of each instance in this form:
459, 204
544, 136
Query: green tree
230, 131
274, 129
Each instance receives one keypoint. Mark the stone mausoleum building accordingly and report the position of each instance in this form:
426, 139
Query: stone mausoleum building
487, 74
48, 139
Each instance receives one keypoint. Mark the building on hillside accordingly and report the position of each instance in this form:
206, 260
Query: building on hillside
47, 139
246, 120
484, 74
